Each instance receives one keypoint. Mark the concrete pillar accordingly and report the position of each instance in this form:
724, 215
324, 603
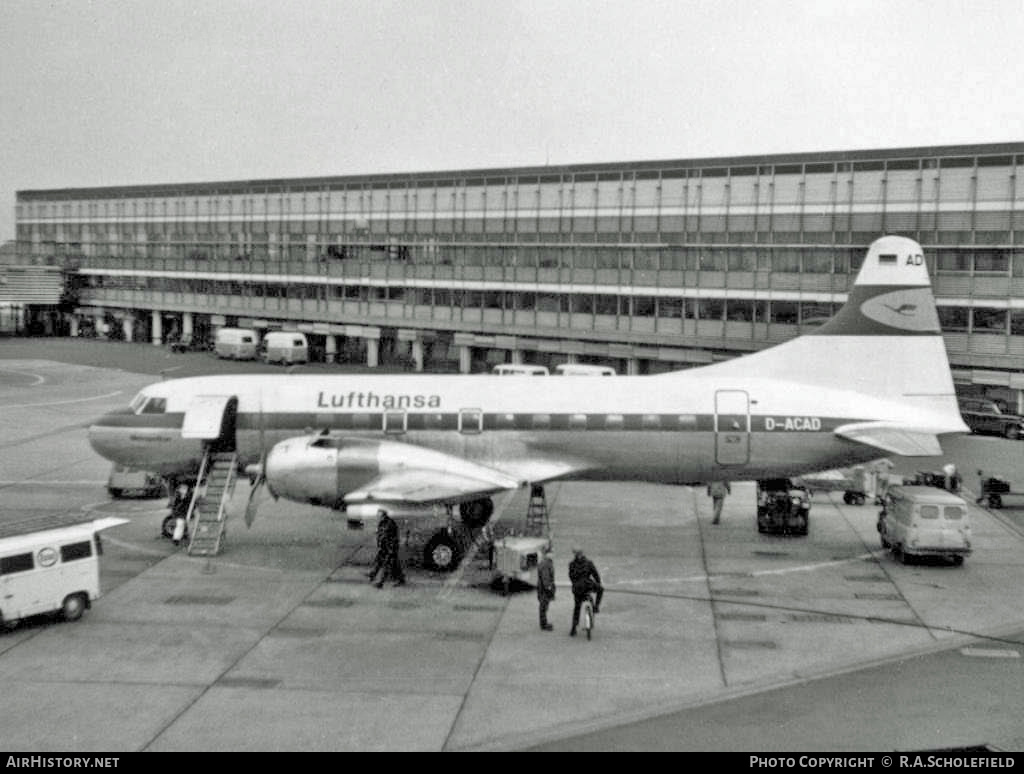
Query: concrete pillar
128, 327
330, 348
372, 352
517, 357
417, 354
632, 366
100, 325
571, 358
158, 328
465, 358
74, 325
186, 325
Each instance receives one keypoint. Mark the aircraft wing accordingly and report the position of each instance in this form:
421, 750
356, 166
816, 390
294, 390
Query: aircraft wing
412, 486
893, 437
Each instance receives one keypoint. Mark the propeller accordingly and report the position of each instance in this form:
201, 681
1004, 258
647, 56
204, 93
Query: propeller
260, 478
257, 485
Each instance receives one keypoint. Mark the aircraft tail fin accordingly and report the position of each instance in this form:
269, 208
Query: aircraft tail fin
885, 342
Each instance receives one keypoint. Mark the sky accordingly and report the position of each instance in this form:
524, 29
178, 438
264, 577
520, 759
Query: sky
123, 92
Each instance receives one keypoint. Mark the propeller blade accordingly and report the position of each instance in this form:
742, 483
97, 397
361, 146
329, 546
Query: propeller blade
253, 503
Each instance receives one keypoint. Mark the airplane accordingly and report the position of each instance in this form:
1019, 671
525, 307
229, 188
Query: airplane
872, 381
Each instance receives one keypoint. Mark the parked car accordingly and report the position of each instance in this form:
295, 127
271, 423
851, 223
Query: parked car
984, 416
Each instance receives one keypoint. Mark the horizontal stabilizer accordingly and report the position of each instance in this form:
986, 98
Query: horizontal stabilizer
425, 487
893, 437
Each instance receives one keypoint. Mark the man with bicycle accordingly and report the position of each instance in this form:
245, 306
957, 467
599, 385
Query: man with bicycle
585, 579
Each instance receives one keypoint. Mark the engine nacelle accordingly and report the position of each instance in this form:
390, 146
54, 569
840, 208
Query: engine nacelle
319, 470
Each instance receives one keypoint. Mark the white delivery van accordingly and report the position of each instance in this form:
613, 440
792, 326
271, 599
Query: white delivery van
286, 347
509, 369
925, 521
236, 343
50, 564
580, 369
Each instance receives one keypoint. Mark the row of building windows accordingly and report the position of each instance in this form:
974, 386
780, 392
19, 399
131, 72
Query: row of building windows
951, 318
293, 258
993, 227
897, 180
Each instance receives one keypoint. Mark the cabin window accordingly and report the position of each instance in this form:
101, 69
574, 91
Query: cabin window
73, 551
394, 422
155, 406
929, 511
614, 422
953, 512
360, 421
16, 563
137, 402
470, 421
541, 421
651, 422
577, 421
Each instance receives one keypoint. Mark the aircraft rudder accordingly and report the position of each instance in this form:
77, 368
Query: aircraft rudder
891, 295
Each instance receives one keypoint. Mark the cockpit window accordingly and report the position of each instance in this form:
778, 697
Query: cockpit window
155, 406
137, 402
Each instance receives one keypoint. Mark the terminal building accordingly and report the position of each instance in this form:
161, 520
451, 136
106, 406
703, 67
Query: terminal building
644, 266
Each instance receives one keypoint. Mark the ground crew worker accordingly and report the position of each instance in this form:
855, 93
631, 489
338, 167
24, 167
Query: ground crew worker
952, 477
390, 562
585, 579
378, 560
179, 509
717, 490
545, 586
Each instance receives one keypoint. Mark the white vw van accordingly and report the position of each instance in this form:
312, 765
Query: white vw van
925, 521
236, 343
286, 347
582, 369
50, 564
510, 369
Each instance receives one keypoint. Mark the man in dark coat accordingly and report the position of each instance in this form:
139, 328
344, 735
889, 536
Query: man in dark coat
545, 586
389, 544
378, 560
585, 579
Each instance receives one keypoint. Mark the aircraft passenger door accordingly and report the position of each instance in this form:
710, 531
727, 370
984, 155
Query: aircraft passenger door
211, 418
732, 427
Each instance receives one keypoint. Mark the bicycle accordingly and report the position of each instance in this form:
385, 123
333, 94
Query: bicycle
587, 614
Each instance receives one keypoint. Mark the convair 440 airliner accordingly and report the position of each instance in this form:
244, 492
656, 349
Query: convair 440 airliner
872, 381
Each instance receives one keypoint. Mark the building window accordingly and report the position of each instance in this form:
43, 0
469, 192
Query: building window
710, 308
988, 320
670, 307
643, 306
954, 260
785, 312
739, 310
991, 261
953, 319
1017, 323
604, 304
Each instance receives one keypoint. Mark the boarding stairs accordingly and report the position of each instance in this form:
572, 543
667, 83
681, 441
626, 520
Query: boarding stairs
207, 515
537, 513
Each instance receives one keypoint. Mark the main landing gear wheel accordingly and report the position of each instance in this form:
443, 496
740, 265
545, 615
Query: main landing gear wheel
476, 513
442, 552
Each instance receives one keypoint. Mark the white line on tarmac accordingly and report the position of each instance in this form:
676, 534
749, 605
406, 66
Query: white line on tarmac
107, 540
38, 379
62, 402
758, 573
39, 482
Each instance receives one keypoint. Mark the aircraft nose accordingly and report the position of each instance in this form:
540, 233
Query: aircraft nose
106, 435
